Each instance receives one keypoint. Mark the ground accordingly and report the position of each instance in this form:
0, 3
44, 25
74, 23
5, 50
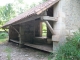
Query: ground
10, 51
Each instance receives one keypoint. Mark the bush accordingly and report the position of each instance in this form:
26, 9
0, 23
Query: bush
3, 35
71, 49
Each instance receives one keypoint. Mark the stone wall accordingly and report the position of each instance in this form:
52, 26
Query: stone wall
71, 9
68, 12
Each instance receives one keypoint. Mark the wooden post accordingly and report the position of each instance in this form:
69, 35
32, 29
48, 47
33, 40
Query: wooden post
49, 34
21, 36
40, 29
50, 28
9, 34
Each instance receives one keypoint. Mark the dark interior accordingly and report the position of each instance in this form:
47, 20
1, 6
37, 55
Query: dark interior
50, 13
13, 33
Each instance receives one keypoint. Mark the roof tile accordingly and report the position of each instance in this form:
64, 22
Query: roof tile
40, 8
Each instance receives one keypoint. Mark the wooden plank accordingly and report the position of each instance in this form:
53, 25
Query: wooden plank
50, 28
6, 30
47, 48
48, 18
41, 37
14, 41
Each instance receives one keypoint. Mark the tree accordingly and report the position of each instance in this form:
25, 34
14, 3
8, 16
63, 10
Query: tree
32, 5
19, 6
9, 11
6, 13
44, 0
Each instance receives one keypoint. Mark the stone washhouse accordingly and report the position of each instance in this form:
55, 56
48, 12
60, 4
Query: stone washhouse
62, 18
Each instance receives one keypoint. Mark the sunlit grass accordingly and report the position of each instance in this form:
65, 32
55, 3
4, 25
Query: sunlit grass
44, 34
44, 29
3, 40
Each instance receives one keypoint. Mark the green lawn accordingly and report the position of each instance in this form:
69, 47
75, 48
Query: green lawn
3, 40
3, 36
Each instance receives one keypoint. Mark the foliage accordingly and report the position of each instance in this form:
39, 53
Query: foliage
44, 29
20, 8
71, 49
11, 10
6, 13
3, 35
32, 5
44, 0
51, 56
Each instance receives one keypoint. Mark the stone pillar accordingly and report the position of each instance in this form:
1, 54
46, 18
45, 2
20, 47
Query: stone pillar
59, 26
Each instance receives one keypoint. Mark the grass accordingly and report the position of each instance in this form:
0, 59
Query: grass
71, 49
3, 40
8, 51
3, 37
44, 34
51, 56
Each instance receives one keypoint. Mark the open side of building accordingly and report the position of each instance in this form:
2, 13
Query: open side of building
27, 28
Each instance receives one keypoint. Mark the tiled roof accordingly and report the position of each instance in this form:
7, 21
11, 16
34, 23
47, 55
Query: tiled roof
33, 11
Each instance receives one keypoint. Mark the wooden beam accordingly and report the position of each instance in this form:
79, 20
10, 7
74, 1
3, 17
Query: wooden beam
14, 29
6, 30
15, 41
50, 28
31, 18
48, 18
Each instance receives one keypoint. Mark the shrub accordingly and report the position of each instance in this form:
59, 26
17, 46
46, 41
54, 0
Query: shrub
71, 49
3, 35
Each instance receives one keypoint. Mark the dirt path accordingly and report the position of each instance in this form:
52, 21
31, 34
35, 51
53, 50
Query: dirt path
10, 51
